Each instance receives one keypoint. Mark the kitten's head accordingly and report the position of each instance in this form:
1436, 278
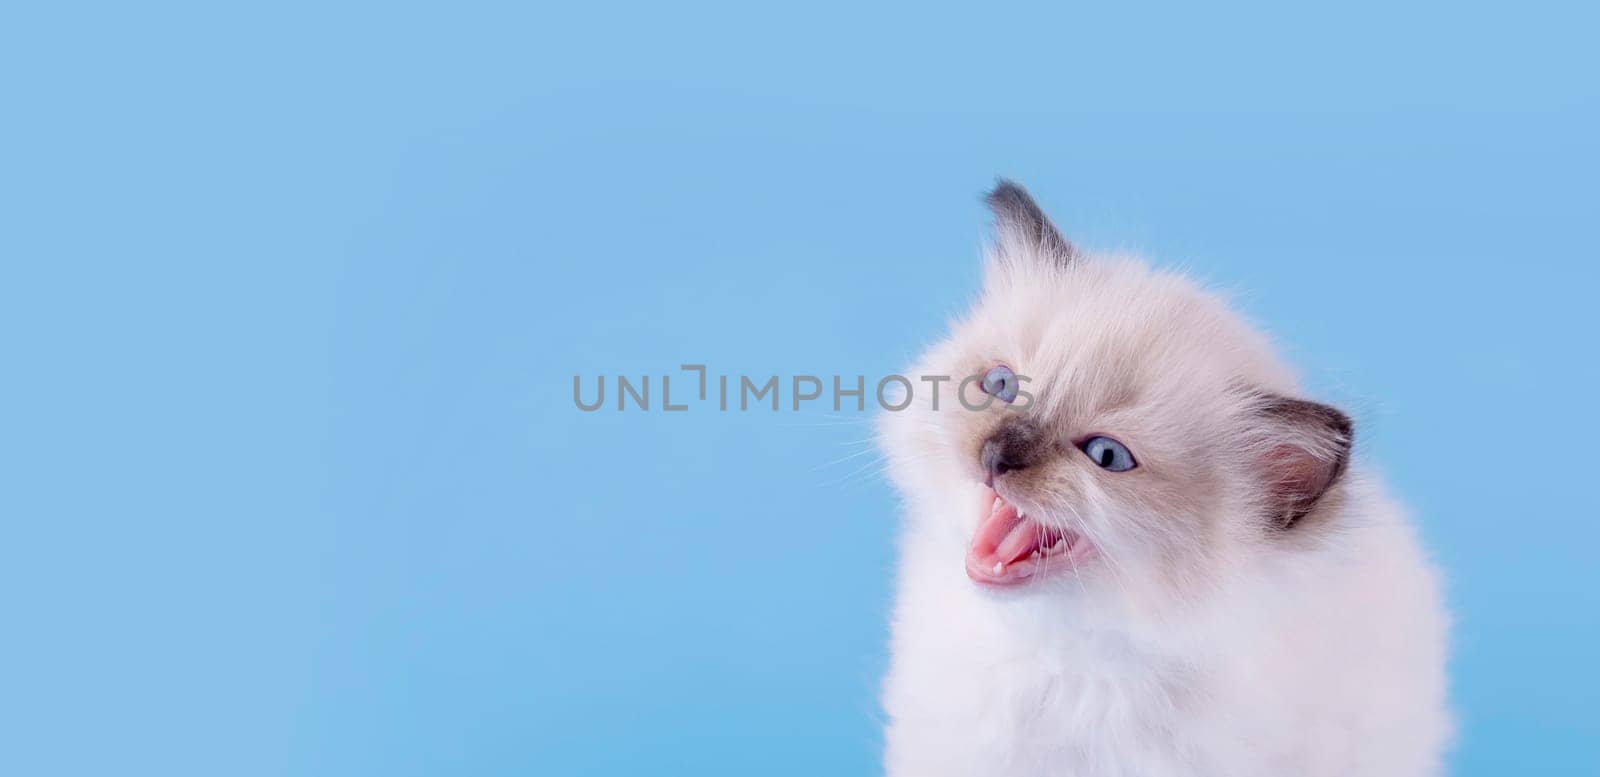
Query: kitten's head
1140, 437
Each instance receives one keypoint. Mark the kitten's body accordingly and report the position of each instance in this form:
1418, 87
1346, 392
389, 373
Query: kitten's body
1199, 638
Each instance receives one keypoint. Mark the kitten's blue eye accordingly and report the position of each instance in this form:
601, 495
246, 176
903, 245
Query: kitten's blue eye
1001, 383
1109, 454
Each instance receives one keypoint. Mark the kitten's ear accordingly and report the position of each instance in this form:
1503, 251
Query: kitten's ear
1021, 228
1301, 449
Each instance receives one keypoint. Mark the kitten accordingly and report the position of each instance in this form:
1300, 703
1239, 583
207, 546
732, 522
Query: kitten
1149, 556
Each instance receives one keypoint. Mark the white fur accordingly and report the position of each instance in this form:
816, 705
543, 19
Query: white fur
1201, 643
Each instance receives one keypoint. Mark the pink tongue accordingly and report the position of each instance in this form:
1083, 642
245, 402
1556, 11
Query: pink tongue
1001, 546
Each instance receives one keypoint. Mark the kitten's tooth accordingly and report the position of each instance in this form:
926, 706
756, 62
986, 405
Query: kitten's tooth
1034, 556
1059, 545
999, 567
994, 508
1020, 514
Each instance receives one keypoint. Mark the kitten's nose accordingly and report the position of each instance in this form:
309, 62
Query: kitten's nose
1007, 450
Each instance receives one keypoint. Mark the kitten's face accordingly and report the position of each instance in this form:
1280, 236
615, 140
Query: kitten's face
1149, 447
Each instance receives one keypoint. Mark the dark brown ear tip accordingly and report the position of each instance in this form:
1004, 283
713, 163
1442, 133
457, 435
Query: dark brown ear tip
1336, 420
1306, 411
1013, 205
1009, 196
1016, 211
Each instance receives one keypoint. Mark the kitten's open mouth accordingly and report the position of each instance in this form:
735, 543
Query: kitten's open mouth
1009, 548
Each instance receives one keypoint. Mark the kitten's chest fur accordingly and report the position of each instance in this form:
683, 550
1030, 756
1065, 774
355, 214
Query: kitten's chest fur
996, 694
980, 685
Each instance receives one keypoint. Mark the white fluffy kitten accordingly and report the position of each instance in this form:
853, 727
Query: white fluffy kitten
1154, 560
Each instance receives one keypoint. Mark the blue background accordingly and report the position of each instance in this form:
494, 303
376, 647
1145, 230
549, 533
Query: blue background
292, 298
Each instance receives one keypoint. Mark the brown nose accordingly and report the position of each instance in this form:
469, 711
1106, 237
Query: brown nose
1010, 448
